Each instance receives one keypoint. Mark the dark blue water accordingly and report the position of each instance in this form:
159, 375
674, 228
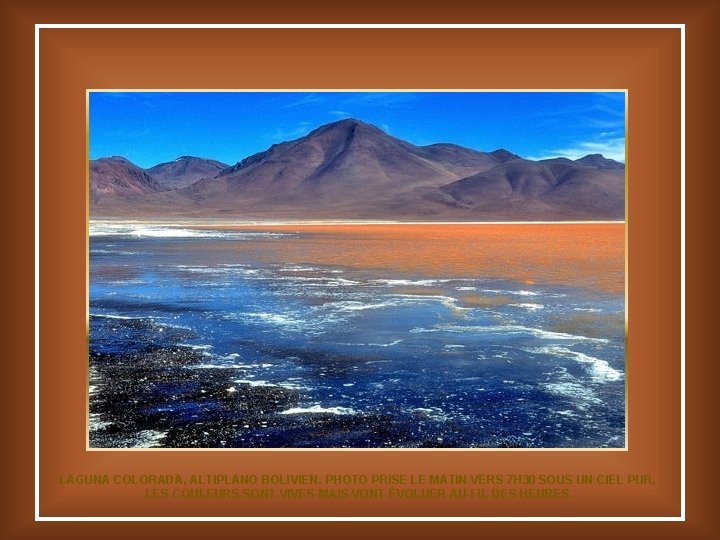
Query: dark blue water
373, 358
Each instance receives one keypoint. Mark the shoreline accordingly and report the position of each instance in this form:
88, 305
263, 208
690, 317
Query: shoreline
246, 223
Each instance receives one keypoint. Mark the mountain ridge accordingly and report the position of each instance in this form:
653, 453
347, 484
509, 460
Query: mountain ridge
353, 170
185, 170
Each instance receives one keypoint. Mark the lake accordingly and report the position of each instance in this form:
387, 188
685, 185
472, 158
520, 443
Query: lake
357, 335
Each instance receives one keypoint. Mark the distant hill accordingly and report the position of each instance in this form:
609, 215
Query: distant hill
353, 170
599, 162
532, 190
185, 170
116, 176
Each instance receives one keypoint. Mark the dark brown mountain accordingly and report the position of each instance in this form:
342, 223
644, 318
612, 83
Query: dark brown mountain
353, 170
185, 170
116, 176
347, 159
600, 162
347, 168
554, 189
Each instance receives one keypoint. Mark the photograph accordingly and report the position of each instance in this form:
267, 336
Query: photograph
329, 269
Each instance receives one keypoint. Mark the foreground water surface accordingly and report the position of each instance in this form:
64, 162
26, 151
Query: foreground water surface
391, 336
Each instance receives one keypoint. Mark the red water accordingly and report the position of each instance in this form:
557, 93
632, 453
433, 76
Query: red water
590, 255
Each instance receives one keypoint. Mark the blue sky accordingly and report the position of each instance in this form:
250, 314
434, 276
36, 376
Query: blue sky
153, 127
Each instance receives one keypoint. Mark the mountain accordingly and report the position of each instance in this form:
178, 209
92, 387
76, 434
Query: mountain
600, 162
116, 176
185, 170
543, 190
345, 169
353, 170
344, 161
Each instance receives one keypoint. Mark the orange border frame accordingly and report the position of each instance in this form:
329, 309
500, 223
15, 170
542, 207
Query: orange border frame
647, 59
67, 65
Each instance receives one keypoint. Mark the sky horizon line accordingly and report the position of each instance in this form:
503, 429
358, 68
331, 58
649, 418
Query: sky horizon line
149, 128
330, 123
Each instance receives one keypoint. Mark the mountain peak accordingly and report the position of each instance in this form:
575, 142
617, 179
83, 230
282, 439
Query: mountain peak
114, 159
349, 122
347, 125
503, 155
599, 161
185, 170
116, 175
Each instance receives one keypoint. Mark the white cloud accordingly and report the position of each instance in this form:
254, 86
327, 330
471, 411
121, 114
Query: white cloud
341, 114
384, 100
306, 99
301, 129
612, 148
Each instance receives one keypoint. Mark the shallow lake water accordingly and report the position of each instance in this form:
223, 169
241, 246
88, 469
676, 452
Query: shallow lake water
392, 336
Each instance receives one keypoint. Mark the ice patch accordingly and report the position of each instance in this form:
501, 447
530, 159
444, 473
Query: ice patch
343, 281
311, 281
433, 413
419, 330
448, 301
110, 251
600, 370
318, 409
508, 330
529, 307
131, 281
391, 344
121, 317
221, 366
137, 230
353, 305
231, 366
410, 282
259, 383
254, 383
303, 279
517, 293
275, 318
299, 269
294, 321
168, 325
292, 385
95, 424
149, 438
575, 390
205, 347
219, 270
